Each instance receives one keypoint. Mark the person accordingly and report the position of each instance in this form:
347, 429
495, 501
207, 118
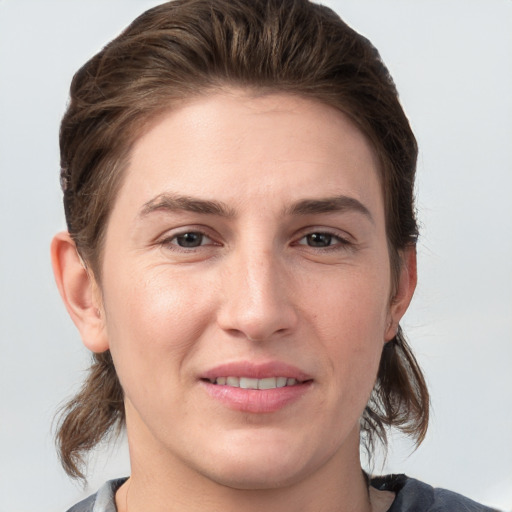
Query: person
238, 187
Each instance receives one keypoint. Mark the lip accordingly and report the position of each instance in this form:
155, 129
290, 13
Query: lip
251, 400
256, 371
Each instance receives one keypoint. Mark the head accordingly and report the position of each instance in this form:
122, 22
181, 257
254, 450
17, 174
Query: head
186, 51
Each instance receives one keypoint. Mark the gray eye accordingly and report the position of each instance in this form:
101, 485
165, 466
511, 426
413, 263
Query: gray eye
319, 239
192, 239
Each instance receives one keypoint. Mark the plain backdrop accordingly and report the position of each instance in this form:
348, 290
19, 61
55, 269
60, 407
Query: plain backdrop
452, 62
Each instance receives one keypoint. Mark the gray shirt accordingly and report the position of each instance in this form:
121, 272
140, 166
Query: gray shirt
411, 496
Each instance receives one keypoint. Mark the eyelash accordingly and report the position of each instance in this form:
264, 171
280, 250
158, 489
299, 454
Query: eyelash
340, 242
172, 240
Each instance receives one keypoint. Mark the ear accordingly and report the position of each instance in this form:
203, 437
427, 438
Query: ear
80, 292
406, 285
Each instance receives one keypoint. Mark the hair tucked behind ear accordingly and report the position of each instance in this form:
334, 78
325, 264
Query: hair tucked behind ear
96, 411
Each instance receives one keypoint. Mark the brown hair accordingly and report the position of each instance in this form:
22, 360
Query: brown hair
185, 48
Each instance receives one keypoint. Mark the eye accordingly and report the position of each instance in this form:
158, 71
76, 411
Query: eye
190, 240
321, 240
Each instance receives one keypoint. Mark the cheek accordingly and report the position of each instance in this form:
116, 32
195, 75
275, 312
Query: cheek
351, 304
153, 323
351, 317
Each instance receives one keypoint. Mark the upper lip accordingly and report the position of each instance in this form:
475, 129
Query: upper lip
256, 371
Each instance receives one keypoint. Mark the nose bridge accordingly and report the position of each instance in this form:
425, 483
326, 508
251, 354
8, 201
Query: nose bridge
261, 278
257, 301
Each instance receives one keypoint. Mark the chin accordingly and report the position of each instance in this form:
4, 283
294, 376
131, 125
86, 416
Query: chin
256, 476
260, 465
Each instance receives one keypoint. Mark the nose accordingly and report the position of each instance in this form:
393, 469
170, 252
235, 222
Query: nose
257, 296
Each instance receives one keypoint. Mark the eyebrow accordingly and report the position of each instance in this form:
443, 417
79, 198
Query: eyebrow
328, 205
174, 202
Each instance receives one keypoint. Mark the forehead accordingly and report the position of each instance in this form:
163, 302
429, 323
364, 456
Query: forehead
233, 145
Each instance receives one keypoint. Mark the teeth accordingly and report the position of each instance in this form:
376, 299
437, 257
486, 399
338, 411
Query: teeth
233, 381
246, 383
281, 382
269, 383
250, 383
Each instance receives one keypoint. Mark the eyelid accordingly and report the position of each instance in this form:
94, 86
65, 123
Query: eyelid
188, 232
340, 240
170, 235
338, 244
345, 237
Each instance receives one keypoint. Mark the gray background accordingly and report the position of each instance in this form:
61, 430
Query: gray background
452, 62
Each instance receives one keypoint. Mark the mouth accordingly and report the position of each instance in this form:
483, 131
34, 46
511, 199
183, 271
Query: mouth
253, 383
256, 388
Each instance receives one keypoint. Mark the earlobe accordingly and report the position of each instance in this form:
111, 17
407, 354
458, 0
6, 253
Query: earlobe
406, 285
79, 291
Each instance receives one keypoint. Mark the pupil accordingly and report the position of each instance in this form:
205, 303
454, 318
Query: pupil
319, 239
190, 240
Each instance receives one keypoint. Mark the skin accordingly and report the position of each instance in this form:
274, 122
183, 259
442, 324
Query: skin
268, 281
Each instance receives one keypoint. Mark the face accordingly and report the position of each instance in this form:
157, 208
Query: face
246, 289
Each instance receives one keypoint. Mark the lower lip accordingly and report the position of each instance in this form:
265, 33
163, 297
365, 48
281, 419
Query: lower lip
256, 400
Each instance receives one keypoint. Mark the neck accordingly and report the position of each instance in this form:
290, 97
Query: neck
136, 496
160, 482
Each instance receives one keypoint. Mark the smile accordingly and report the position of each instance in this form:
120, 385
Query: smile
251, 383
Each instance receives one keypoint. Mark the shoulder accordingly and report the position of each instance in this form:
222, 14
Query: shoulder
415, 496
102, 501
